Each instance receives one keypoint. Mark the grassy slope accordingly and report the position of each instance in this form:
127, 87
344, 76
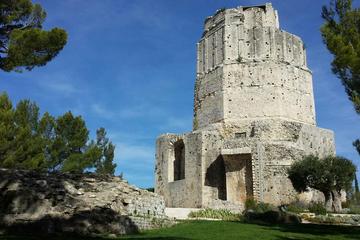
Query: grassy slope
233, 230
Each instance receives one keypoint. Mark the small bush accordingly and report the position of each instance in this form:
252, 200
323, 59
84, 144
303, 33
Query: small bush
345, 204
354, 209
250, 203
264, 207
296, 207
222, 214
258, 207
272, 217
353, 203
318, 208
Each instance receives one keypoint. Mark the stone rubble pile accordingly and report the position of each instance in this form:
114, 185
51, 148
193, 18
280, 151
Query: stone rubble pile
76, 203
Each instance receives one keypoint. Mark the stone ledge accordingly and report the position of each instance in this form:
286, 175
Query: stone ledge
233, 151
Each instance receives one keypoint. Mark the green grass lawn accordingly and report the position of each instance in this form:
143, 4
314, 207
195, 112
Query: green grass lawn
236, 230
233, 230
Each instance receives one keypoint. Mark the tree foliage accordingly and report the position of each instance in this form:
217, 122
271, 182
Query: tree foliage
104, 164
341, 34
28, 141
356, 188
23, 42
329, 175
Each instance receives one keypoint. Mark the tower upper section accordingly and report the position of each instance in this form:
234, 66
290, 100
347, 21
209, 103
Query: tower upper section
248, 68
247, 34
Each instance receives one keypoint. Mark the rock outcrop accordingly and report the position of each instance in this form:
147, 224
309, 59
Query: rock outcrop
76, 203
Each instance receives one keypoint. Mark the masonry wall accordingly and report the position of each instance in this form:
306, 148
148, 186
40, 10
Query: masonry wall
183, 192
273, 144
267, 90
245, 60
208, 100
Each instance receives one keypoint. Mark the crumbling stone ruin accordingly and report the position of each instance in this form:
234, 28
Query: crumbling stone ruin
86, 204
254, 116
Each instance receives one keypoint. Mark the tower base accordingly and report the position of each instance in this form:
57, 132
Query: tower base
226, 163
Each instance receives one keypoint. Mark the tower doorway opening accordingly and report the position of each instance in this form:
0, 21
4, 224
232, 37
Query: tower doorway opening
239, 179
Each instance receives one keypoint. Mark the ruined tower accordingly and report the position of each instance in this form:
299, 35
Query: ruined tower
254, 116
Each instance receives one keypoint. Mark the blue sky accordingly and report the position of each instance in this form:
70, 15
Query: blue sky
129, 66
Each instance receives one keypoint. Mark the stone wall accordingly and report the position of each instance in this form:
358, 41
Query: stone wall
245, 61
271, 146
184, 192
76, 203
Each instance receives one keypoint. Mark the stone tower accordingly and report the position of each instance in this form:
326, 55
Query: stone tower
254, 116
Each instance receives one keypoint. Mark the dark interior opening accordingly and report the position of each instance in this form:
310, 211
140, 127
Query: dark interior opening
215, 177
179, 162
263, 7
240, 135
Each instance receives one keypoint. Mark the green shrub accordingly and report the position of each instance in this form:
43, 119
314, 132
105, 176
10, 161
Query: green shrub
264, 207
345, 204
354, 209
258, 207
353, 203
318, 208
260, 212
272, 217
250, 203
296, 207
222, 214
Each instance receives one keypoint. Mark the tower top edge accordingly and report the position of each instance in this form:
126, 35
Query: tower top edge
263, 15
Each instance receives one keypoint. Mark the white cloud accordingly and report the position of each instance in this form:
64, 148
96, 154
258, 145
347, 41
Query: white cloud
60, 87
127, 112
130, 137
136, 162
59, 82
137, 153
102, 111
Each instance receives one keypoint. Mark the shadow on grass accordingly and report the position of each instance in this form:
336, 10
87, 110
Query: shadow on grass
162, 238
350, 232
27, 237
51, 237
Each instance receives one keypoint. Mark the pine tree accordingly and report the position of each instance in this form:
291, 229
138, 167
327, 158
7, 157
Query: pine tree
46, 130
23, 43
7, 130
48, 144
28, 144
104, 164
341, 34
70, 143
